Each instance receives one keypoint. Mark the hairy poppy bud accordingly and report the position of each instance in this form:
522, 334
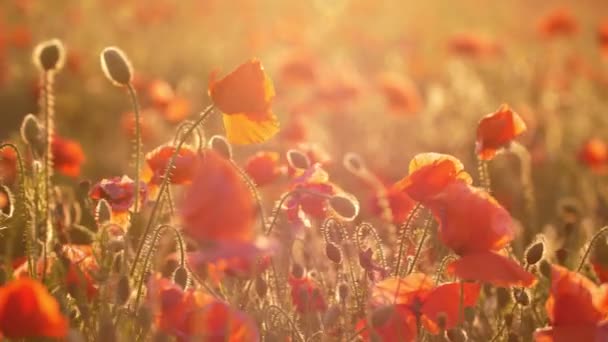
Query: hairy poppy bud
297, 271
297, 159
116, 66
545, 268
221, 145
261, 288
343, 292
181, 277
103, 212
123, 290
345, 206
534, 253
333, 253
31, 134
353, 163
49, 55
381, 315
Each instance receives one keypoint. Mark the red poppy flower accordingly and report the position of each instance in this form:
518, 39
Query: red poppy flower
184, 165
295, 130
177, 110
263, 167
474, 226
472, 46
577, 309
429, 174
218, 205
127, 123
82, 264
594, 154
298, 69
217, 321
67, 156
602, 36
119, 192
401, 95
559, 22
28, 310
496, 130
306, 295
244, 97
413, 298
8, 165
160, 93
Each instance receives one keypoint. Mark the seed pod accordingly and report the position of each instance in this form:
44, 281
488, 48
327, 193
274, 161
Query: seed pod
221, 145
343, 292
103, 212
116, 66
49, 55
545, 268
123, 290
297, 160
333, 253
534, 253
345, 206
331, 316
353, 163
261, 288
503, 297
381, 315
181, 277
297, 271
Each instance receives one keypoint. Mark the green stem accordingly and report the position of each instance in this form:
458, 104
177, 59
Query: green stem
138, 143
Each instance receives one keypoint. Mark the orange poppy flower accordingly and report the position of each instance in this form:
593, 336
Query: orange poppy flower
306, 295
160, 93
602, 36
413, 298
184, 167
176, 110
491, 267
576, 307
218, 204
559, 22
496, 130
119, 192
429, 174
298, 69
67, 156
244, 97
263, 167
28, 310
594, 154
400, 94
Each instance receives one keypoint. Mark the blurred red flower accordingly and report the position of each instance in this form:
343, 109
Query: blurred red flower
576, 307
472, 46
496, 130
263, 167
602, 36
68, 156
559, 22
400, 94
27, 310
399, 203
184, 166
8, 165
218, 205
119, 192
306, 295
594, 154
244, 97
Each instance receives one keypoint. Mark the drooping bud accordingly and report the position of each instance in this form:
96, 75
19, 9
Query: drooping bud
545, 269
221, 145
333, 253
343, 292
345, 206
49, 55
534, 253
181, 277
116, 66
297, 160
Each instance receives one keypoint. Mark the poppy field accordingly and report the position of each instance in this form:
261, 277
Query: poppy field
311, 171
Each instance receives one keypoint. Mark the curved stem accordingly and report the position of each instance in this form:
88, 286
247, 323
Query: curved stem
427, 224
138, 143
165, 183
404, 228
588, 250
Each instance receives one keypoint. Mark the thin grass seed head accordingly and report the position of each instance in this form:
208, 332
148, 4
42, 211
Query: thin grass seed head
116, 66
49, 55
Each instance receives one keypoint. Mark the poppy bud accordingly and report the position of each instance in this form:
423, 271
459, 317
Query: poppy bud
181, 277
297, 271
297, 160
534, 253
103, 212
561, 255
343, 292
332, 316
333, 253
457, 335
353, 163
221, 145
346, 206
381, 315
116, 66
261, 288
502, 297
31, 134
49, 55
545, 268
123, 290
521, 297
